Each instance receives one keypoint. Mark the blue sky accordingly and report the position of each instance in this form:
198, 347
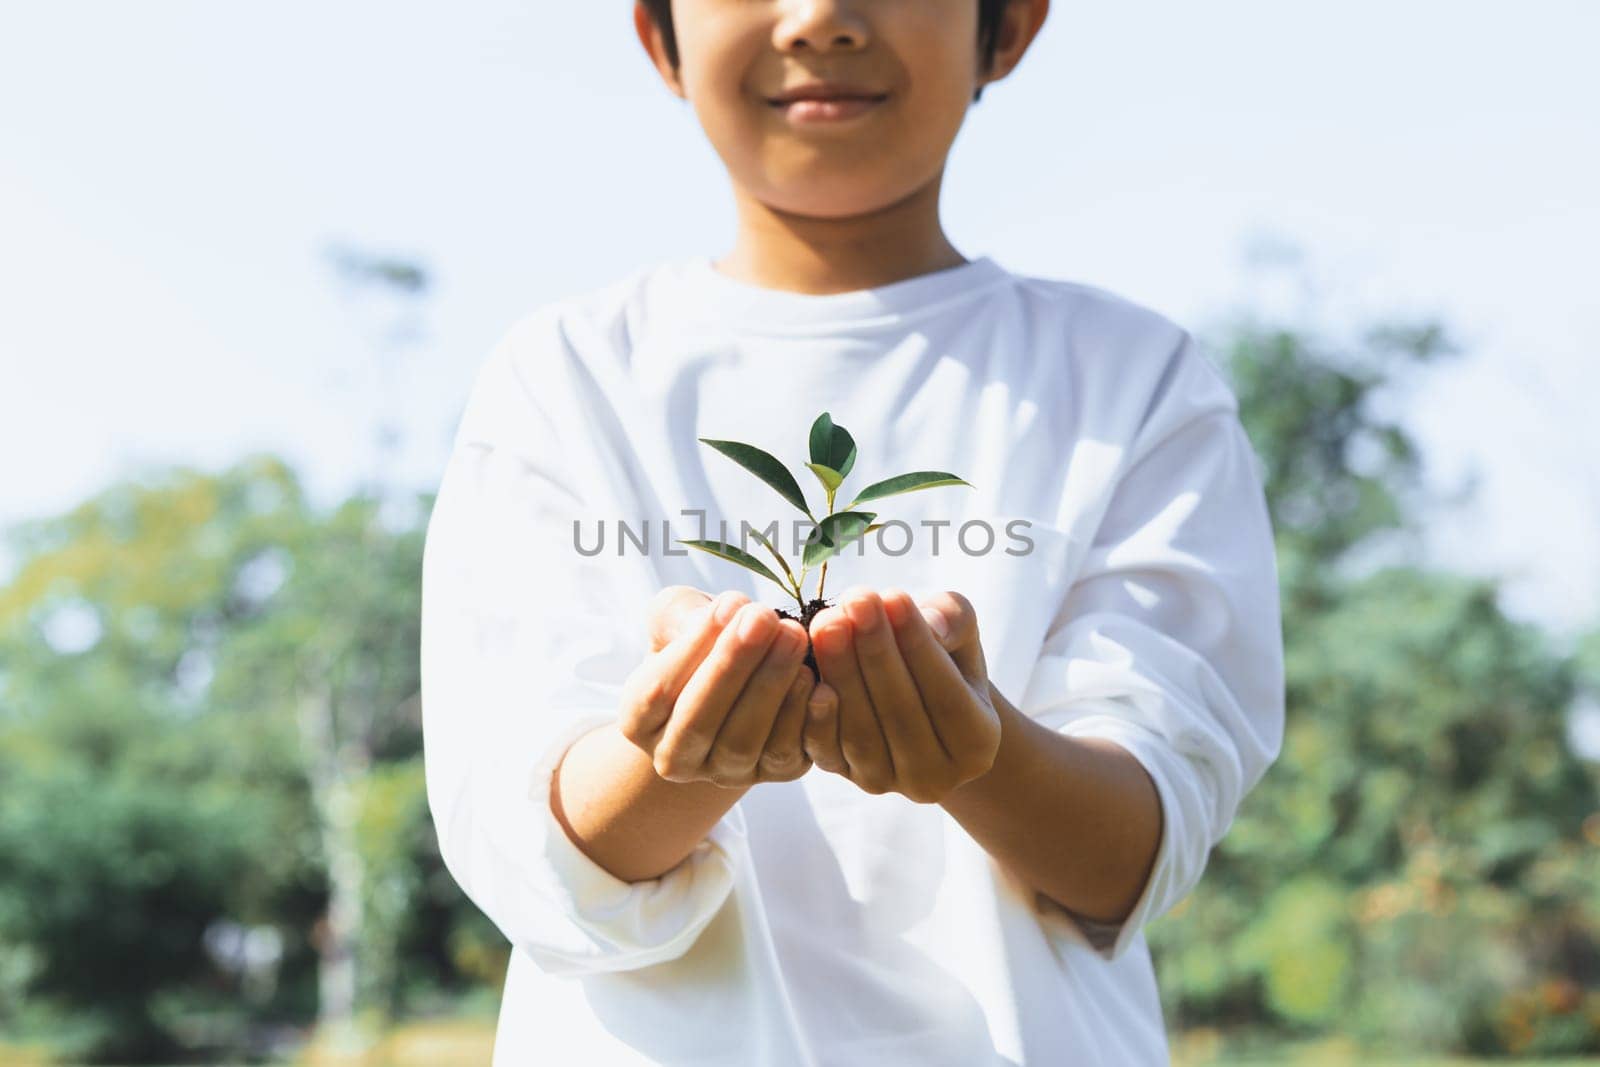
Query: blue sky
171, 172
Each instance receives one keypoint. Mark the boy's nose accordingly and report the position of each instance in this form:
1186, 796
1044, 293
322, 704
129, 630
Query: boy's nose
820, 25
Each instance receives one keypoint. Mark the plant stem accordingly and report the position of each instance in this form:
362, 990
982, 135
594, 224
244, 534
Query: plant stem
822, 579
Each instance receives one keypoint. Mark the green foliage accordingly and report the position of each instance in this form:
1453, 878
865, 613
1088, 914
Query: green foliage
735, 554
392, 824
767, 467
1416, 859
182, 658
1300, 945
905, 483
74, 839
832, 454
834, 533
156, 767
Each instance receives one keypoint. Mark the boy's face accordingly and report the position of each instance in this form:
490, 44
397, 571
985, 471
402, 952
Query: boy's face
919, 59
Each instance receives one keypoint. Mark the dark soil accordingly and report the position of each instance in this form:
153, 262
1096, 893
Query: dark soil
804, 619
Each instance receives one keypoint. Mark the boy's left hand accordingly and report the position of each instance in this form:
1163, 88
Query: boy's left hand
900, 708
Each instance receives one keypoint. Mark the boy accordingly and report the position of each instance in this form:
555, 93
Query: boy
944, 847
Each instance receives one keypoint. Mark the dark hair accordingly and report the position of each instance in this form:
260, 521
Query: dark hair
989, 12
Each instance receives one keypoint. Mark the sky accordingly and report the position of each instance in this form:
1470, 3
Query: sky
172, 175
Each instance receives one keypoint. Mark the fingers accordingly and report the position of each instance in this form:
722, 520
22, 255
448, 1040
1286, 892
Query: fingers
969, 741
822, 729
710, 693
861, 741
895, 697
783, 757
653, 687
738, 747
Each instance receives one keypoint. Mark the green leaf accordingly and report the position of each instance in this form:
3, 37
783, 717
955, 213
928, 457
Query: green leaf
736, 555
905, 483
829, 477
763, 465
832, 446
835, 532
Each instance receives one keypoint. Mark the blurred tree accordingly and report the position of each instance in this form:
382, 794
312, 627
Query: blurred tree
209, 729
1406, 868
79, 833
338, 651
350, 615
133, 820
227, 679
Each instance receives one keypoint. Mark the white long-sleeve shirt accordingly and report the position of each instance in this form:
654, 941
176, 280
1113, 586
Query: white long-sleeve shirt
818, 924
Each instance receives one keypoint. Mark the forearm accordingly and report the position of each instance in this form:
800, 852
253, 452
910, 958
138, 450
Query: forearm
1077, 819
637, 825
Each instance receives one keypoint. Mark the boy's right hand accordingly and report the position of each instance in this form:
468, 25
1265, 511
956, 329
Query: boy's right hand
722, 695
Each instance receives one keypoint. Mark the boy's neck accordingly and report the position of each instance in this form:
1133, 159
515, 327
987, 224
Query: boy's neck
806, 254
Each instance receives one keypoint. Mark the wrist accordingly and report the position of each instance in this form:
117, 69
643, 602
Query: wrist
637, 825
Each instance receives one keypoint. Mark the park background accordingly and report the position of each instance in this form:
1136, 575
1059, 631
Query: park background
253, 254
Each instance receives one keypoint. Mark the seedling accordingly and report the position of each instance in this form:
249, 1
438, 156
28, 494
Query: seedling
833, 454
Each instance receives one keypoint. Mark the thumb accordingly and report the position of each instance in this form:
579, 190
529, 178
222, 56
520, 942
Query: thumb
954, 622
679, 609
670, 611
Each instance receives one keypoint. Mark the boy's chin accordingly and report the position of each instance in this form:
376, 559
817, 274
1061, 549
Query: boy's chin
823, 196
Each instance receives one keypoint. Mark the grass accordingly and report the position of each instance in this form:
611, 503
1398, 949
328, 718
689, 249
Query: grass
431, 1043
1205, 1048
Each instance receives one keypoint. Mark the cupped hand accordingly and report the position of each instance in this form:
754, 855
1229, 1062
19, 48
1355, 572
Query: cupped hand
721, 696
900, 707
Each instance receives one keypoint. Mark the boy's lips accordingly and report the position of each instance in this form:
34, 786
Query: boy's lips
816, 102
806, 111
824, 90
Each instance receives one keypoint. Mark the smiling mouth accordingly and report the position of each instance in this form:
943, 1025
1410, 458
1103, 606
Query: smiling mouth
812, 109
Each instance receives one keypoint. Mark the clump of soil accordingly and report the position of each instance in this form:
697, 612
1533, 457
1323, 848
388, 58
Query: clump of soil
804, 618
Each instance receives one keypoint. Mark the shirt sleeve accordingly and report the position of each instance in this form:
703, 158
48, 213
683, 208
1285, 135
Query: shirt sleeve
525, 645
1169, 642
